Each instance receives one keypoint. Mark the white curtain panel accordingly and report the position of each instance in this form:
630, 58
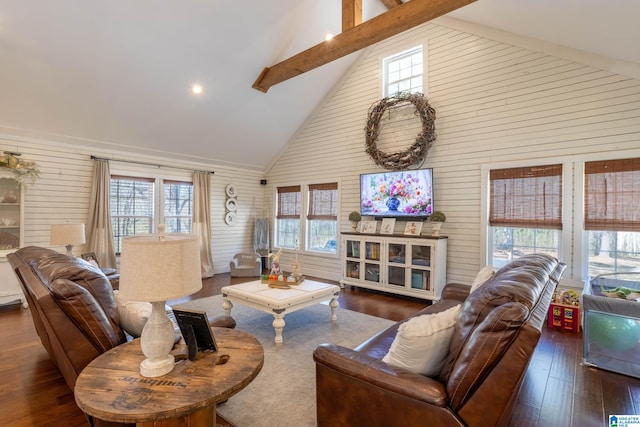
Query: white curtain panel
99, 233
201, 221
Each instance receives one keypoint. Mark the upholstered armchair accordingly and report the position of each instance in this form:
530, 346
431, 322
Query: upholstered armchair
246, 264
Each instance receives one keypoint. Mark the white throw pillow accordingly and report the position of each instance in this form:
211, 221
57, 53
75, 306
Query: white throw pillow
422, 343
133, 315
484, 275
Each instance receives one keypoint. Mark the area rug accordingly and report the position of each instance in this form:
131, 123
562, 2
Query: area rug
283, 394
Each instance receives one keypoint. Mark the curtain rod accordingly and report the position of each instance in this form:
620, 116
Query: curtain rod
149, 164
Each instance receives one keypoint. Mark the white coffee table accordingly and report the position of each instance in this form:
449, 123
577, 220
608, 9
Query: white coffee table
279, 302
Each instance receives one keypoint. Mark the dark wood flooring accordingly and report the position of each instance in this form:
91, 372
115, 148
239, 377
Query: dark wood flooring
558, 389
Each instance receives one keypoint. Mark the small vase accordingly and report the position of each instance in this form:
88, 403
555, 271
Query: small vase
393, 203
435, 227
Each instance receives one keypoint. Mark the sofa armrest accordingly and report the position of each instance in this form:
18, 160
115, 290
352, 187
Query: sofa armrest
456, 291
362, 367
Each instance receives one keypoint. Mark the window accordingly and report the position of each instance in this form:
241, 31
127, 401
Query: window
612, 216
288, 217
403, 72
320, 230
323, 217
525, 212
132, 201
135, 209
178, 202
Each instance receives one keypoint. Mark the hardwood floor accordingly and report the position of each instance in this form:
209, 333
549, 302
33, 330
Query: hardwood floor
558, 390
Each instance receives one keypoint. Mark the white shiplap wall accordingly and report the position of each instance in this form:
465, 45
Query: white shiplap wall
63, 190
495, 100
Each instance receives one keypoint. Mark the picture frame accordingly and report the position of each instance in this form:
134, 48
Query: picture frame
230, 218
388, 224
231, 204
89, 256
359, 227
369, 227
413, 228
231, 190
195, 329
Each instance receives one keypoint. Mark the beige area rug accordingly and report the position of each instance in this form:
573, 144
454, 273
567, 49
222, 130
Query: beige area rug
284, 394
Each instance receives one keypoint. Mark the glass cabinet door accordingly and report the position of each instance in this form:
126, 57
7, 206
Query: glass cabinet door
9, 214
372, 251
421, 255
353, 249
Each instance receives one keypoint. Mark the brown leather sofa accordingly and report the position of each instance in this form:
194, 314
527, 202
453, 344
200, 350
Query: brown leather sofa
73, 307
494, 338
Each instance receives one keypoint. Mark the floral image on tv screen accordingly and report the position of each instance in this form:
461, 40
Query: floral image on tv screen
397, 194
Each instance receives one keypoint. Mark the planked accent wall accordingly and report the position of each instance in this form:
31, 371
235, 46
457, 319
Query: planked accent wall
63, 190
494, 101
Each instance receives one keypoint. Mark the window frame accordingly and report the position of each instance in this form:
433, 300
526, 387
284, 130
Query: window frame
564, 238
304, 221
391, 56
158, 215
590, 226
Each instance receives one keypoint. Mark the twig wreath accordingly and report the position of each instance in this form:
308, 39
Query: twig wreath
419, 149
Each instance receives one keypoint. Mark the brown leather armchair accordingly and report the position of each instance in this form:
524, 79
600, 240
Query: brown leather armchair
493, 340
73, 307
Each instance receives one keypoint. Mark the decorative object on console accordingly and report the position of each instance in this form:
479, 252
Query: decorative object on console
413, 228
156, 268
436, 219
369, 227
68, 235
354, 217
387, 225
418, 151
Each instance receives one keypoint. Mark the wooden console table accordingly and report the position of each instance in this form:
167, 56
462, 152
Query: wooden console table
112, 391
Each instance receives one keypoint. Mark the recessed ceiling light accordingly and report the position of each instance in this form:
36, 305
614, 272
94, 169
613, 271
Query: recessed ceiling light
328, 37
197, 89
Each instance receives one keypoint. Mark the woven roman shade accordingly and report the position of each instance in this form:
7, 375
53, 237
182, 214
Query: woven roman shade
528, 197
612, 195
288, 202
323, 201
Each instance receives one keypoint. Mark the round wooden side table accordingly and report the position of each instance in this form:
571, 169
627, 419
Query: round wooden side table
112, 391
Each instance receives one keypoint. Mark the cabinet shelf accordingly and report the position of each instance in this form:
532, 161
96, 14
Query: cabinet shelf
407, 265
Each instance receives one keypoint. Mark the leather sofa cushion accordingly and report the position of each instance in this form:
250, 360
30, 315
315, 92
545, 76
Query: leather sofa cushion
61, 266
484, 349
87, 314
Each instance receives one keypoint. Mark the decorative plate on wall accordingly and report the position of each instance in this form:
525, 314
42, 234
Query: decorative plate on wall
232, 204
230, 218
232, 191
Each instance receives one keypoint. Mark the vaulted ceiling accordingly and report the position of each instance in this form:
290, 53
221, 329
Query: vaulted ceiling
120, 73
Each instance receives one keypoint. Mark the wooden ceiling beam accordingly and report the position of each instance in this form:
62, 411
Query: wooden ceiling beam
351, 14
390, 23
390, 4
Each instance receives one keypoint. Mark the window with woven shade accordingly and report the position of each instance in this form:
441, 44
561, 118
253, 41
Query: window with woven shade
322, 217
526, 197
612, 215
612, 195
525, 211
288, 209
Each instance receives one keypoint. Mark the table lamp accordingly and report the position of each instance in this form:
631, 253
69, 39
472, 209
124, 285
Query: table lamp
68, 235
157, 268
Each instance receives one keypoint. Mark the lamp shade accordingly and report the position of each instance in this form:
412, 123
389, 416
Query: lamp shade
159, 267
67, 234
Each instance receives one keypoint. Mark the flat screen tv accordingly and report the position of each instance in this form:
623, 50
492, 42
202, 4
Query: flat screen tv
401, 194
